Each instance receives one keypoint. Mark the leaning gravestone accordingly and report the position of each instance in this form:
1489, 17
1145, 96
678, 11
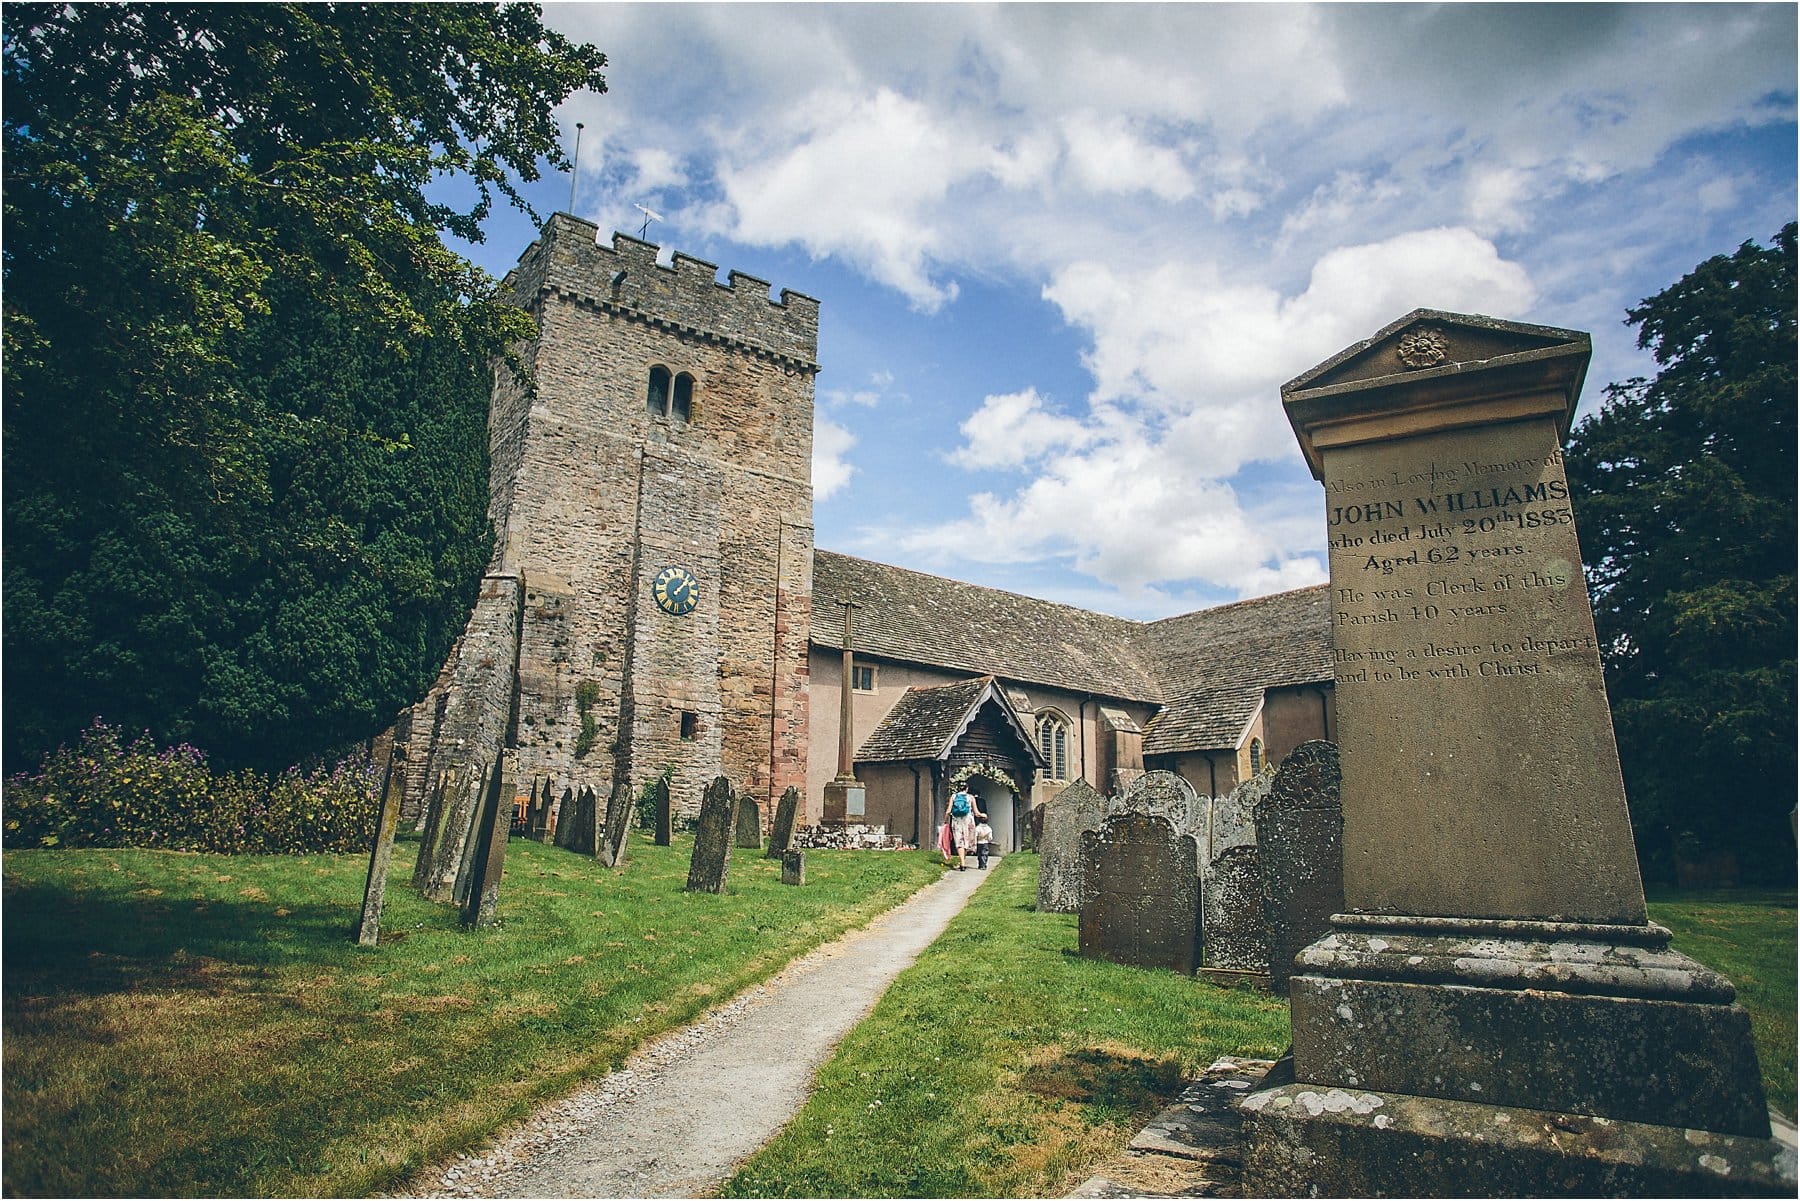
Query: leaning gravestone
1075, 810
665, 817
615, 833
1234, 937
1141, 898
1492, 1014
540, 814
749, 824
1300, 834
480, 904
393, 788
481, 782
713, 837
782, 832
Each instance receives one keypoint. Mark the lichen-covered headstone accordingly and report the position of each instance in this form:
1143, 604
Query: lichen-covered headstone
781, 833
1066, 816
749, 824
793, 867
1140, 897
393, 788
1300, 830
481, 902
615, 833
713, 837
1234, 935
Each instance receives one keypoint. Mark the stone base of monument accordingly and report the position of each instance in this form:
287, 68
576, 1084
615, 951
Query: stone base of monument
844, 802
1443, 1056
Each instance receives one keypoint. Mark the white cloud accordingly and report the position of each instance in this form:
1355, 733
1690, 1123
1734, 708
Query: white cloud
866, 398
1107, 156
831, 468
1010, 430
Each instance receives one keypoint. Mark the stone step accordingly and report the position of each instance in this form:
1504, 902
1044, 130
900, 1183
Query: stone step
1190, 1149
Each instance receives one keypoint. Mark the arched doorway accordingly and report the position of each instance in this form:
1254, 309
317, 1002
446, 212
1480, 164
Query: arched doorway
1000, 804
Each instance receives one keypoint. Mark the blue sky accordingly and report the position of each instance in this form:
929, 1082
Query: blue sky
1067, 254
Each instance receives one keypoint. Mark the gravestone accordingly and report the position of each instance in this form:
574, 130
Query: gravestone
565, 819
393, 788
428, 835
540, 814
1492, 1012
1234, 935
749, 824
713, 838
665, 817
1300, 836
477, 789
482, 896
1066, 816
1140, 897
615, 833
793, 867
782, 832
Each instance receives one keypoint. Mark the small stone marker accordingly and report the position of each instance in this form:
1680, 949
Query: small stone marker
781, 833
480, 906
665, 817
393, 788
749, 824
1066, 816
712, 838
1141, 900
793, 867
1493, 957
1234, 936
1300, 836
616, 834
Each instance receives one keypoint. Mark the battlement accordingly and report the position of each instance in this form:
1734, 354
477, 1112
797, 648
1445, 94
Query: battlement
626, 279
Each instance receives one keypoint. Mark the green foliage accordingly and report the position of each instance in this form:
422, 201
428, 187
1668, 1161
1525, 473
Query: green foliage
191, 1025
644, 808
104, 793
586, 693
1684, 493
245, 382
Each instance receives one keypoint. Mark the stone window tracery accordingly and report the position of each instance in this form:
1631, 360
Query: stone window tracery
1053, 743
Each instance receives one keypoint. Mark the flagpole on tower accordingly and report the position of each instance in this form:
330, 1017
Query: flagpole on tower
575, 168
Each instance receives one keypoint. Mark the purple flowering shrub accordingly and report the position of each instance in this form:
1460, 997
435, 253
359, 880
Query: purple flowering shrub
105, 793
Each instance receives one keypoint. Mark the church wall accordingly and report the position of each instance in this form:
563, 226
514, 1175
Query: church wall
889, 797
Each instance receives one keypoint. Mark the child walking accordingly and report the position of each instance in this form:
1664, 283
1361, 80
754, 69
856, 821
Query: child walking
984, 842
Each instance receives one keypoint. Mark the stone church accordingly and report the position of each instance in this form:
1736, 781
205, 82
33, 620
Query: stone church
655, 602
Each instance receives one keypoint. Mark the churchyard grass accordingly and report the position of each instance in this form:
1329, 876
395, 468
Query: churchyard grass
1002, 1064
186, 1024
1749, 935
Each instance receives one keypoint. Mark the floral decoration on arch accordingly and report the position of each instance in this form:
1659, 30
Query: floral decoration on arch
959, 780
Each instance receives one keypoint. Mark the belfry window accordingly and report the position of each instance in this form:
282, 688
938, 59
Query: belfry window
682, 406
656, 401
1053, 743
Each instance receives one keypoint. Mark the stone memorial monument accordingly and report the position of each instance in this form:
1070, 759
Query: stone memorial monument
1492, 1013
1140, 893
1299, 838
782, 832
749, 824
1065, 817
713, 838
1234, 934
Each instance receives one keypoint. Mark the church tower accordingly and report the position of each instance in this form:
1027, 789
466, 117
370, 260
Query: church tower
648, 603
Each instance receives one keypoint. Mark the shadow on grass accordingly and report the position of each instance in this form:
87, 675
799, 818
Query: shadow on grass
1103, 1078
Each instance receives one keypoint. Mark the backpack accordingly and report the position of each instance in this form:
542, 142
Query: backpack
959, 805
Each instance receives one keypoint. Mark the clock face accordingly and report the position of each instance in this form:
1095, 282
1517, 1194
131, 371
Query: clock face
676, 591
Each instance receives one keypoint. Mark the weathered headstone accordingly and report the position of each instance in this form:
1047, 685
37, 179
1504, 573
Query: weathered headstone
540, 814
1141, 897
393, 789
793, 867
429, 835
1234, 936
665, 817
1300, 834
1066, 816
478, 787
1493, 958
781, 833
615, 835
749, 824
713, 837
480, 905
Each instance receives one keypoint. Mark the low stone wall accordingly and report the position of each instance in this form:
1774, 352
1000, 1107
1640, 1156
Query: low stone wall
846, 838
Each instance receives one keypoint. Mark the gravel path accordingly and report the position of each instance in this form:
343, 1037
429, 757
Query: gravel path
688, 1108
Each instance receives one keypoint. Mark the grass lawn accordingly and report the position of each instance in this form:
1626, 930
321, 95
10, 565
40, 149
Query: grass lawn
181, 1024
1749, 935
1002, 1064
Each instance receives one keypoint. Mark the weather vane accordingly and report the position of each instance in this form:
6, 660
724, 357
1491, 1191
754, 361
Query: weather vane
648, 218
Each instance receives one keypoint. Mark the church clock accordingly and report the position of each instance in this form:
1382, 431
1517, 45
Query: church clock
676, 591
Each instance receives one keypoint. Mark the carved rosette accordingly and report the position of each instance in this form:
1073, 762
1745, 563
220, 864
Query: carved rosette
1421, 348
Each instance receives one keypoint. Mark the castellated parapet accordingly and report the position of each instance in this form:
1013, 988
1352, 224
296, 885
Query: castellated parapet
592, 494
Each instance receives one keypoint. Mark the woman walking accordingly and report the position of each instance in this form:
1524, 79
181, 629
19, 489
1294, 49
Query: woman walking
962, 828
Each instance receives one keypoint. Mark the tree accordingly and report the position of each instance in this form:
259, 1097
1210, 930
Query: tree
1684, 491
245, 380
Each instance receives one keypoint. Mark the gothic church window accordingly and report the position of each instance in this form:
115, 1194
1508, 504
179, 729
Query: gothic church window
657, 400
1256, 756
1053, 742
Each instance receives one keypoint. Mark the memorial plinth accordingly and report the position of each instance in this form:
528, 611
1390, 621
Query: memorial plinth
1495, 961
